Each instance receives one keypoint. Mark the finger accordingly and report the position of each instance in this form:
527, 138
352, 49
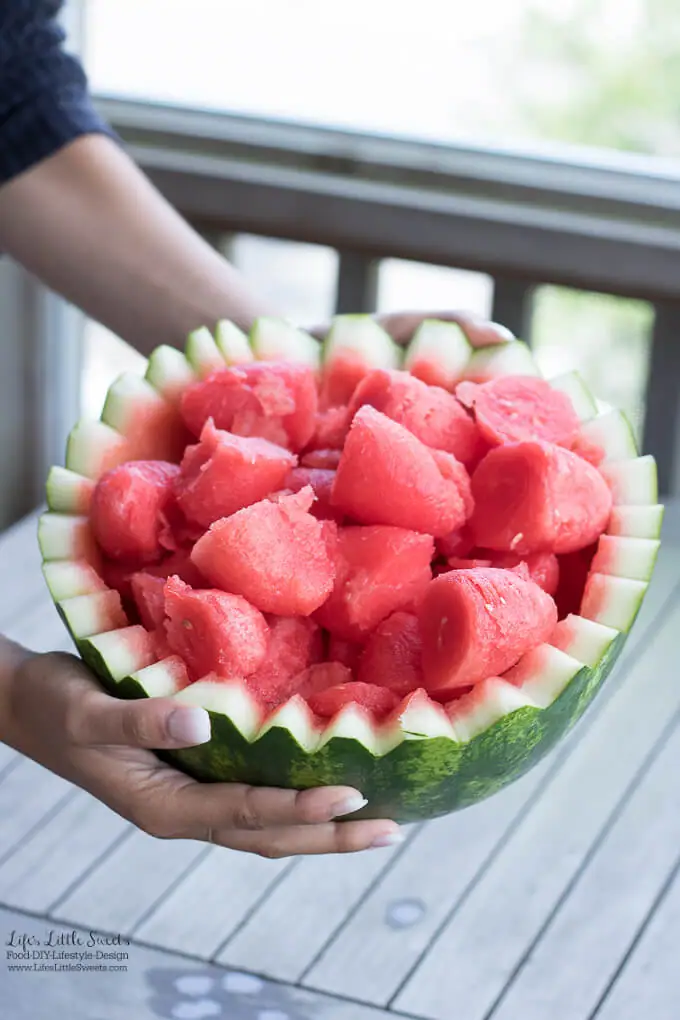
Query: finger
331, 838
158, 723
480, 332
204, 808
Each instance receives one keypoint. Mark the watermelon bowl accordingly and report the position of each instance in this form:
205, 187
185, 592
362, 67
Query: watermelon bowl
405, 570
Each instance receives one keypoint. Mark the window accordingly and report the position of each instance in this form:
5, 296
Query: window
584, 72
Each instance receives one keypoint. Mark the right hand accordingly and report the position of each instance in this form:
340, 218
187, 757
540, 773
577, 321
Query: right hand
60, 717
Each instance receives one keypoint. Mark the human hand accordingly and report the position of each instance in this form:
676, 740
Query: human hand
60, 717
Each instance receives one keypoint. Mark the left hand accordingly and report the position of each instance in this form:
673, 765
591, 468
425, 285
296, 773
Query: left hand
401, 326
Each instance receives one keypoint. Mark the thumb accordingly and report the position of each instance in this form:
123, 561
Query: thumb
157, 723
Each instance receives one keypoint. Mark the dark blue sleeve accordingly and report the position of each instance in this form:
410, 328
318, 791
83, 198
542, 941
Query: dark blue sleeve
44, 100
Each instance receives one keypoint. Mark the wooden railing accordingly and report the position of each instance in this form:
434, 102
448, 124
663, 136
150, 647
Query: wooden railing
609, 225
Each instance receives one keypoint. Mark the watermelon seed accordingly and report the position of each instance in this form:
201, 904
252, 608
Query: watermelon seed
516, 540
488, 607
187, 624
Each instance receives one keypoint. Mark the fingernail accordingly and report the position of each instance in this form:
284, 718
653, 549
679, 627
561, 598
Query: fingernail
387, 839
189, 726
348, 806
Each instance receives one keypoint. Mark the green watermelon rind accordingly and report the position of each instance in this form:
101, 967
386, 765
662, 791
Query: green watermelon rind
406, 775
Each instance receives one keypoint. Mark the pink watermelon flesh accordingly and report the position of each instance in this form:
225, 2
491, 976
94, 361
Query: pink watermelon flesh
341, 377
515, 409
149, 595
430, 413
535, 497
274, 554
458, 543
321, 481
325, 459
330, 429
456, 563
387, 476
543, 567
214, 631
155, 431
224, 473
320, 676
126, 506
119, 575
379, 701
346, 652
295, 643
478, 623
574, 569
272, 400
588, 450
378, 569
392, 657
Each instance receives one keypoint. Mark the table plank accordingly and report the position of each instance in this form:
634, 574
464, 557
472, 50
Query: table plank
211, 901
28, 793
59, 853
318, 894
486, 938
345, 967
396, 922
7, 756
649, 985
570, 968
155, 984
128, 882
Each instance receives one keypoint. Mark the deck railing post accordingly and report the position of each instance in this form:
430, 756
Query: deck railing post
512, 305
357, 288
661, 435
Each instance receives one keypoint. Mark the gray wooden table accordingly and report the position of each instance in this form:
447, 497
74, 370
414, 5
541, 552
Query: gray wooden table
559, 898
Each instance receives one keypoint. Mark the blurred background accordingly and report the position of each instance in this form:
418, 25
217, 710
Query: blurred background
517, 159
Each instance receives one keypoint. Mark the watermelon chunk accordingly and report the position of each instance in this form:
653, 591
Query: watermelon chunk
346, 652
273, 400
119, 575
327, 460
148, 592
476, 624
320, 676
295, 643
213, 631
379, 701
534, 497
321, 481
331, 428
393, 655
224, 473
378, 569
514, 409
387, 475
126, 506
274, 554
543, 567
460, 563
355, 344
573, 574
429, 412
458, 543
